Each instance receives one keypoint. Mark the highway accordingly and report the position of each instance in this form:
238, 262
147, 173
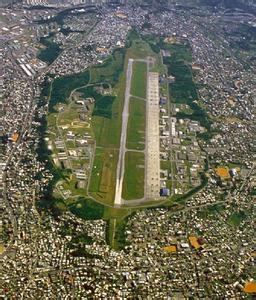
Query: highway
125, 117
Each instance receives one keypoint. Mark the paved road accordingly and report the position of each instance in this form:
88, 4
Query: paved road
85, 38
247, 177
125, 117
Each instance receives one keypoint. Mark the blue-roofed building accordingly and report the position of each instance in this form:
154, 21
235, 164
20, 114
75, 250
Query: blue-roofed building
162, 101
164, 192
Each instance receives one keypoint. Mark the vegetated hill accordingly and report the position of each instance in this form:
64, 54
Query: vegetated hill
4, 3
240, 4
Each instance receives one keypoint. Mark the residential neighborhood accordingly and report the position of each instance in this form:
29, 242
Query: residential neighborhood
59, 239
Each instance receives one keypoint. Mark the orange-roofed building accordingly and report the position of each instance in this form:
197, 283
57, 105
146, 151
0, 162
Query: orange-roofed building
223, 172
194, 242
15, 137
170, 249
250, 287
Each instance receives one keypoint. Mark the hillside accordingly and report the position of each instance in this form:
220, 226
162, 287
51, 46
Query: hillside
239, 4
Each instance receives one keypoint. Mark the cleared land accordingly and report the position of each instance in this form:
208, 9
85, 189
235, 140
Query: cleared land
134, 176
223, 172
139, 79
136, 125
250, 287
170, 249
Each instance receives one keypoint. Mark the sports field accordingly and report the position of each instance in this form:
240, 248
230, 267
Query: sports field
133, 184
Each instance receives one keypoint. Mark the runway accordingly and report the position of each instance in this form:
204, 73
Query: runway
125, 117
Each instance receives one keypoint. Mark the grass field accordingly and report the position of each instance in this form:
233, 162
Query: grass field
139, 79
103, 103
136, 125
236, 218
133, 184
103, 176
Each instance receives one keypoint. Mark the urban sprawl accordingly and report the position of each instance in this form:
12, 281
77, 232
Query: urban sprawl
182, 225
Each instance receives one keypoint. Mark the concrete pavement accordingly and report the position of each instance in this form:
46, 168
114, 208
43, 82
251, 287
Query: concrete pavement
125, 117
152, 161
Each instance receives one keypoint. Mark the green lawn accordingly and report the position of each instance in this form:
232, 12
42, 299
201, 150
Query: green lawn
107, 130
139, 80
96, 170
165, 165
136, 125
236, 218
110, 70
133, 184
107, 114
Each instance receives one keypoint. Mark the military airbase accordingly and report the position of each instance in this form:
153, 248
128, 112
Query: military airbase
118, 139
